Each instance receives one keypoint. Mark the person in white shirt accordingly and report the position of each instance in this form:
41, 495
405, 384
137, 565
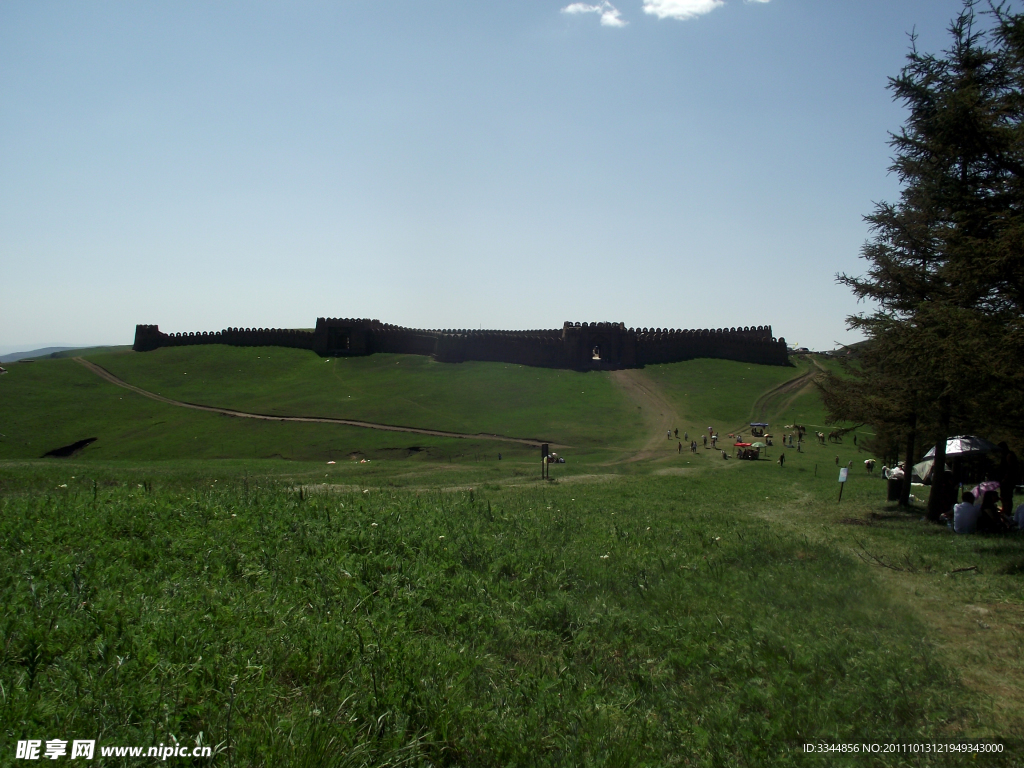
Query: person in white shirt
965, 514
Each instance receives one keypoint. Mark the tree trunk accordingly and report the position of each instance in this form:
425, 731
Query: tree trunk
908, 463
940, 492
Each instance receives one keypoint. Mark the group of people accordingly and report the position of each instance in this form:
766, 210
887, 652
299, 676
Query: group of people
984, 516
693, 443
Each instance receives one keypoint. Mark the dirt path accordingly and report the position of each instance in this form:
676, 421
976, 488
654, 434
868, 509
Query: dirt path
658, 413
103, 373
779, 398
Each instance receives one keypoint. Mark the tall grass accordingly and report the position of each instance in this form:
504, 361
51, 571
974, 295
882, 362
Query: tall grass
646, 622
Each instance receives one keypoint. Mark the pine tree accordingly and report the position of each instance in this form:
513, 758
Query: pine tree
946, 273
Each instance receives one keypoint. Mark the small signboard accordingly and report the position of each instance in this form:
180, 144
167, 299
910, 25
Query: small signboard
843, 473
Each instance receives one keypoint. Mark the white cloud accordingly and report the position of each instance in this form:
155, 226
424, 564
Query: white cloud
681, 9
610, 16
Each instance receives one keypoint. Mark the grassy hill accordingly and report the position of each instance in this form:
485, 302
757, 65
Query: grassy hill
410, 390
212, 577
53, 403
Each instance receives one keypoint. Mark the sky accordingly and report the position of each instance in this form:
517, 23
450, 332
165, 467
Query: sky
461, 164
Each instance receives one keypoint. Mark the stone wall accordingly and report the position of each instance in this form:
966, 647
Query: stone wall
149, 337
579, 346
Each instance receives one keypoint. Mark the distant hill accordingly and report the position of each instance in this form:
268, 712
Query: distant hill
44, 352
55, 352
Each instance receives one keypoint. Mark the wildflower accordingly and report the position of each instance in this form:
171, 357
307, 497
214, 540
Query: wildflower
605, 557
366, 490
373, 525
65, 485
439, 538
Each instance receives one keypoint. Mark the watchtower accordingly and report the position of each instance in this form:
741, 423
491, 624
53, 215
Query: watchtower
598, 346
338, 337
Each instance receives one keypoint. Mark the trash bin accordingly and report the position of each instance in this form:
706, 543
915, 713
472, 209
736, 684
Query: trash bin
894, 488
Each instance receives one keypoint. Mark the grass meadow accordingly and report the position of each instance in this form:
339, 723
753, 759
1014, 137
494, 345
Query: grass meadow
442, 608
514, 400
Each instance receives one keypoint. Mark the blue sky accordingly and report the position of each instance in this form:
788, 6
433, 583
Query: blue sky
668, 163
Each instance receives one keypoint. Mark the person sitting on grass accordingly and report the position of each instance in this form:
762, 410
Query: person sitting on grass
989, 519
965, 514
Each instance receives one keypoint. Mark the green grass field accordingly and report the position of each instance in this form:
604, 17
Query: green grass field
582, 409
214, 580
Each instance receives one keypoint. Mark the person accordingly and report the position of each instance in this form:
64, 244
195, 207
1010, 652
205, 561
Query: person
965, 514
668, 434
1018, 517
693, 446
725, 455
686, 435
677, 432
499, 457
782, 460
705, 441
989, 519
714, 441
869, 465
837, 461
680, 447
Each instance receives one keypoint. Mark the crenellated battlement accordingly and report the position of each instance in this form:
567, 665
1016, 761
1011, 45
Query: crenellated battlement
579, 346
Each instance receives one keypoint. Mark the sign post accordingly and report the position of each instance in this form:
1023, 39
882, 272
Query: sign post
843, 474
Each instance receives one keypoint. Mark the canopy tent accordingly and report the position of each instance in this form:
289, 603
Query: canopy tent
758, 424
965, 445
741, 445
922, 471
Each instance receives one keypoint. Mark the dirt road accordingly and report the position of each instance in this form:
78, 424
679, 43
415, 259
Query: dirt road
658, 413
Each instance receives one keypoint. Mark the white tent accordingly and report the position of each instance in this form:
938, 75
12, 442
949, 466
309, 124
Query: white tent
923, 471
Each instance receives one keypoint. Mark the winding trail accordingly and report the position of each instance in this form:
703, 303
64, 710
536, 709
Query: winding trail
780, 397
103, 373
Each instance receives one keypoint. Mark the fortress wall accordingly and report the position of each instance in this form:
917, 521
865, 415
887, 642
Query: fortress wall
569, 347
543, 348
753, 345
149, 337
405, 341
